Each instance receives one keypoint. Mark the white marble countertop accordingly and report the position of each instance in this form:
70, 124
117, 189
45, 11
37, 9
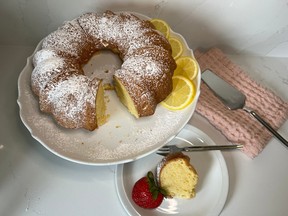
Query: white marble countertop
34, 181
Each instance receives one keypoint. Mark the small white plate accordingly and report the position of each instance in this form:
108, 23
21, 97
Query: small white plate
211, 191
122, 139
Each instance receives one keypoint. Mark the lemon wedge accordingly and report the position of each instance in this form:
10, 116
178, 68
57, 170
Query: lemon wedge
182, 94
187, 67
177, 47
161, 26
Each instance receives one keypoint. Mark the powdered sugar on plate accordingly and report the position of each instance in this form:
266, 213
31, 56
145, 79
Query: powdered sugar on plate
122, 139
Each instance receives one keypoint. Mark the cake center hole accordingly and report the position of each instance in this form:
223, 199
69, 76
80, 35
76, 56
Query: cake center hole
103, 65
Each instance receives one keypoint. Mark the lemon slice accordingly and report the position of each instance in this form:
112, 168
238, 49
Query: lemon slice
187, 67
182, 94
177, 47
161, 26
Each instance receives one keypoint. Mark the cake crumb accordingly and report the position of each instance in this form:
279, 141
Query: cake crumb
108, 86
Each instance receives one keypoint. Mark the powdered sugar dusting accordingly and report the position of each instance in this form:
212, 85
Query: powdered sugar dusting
43, 72
76, 88
112, 28
71, 98
124, 32
144, 66
43, 55
68, 39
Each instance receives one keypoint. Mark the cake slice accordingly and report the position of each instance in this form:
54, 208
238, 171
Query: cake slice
177, 176
75, 101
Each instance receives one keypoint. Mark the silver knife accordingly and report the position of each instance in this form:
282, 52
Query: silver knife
234, 99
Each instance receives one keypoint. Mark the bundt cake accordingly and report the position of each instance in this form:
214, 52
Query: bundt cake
77, 101
177, 176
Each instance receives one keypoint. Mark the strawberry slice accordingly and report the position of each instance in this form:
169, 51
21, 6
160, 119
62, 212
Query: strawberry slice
146, 193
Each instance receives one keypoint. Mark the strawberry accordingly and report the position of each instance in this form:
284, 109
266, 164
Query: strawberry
146, 193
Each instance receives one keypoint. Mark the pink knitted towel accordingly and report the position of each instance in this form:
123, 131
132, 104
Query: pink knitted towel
238, 126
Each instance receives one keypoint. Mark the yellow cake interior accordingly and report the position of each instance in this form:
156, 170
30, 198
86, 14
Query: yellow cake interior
179, 179
125, 97
100, 106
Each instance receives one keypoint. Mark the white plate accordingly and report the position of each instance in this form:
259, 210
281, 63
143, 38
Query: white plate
211, 191
122, 139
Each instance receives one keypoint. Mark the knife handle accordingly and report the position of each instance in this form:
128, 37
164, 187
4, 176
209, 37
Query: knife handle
267, 125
